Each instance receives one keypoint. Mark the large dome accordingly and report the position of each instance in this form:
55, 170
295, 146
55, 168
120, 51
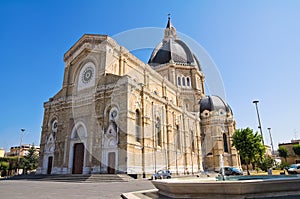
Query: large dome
172, 50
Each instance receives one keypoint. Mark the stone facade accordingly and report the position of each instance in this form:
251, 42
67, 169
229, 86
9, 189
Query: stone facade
217, 128
292, 157
116, 114
2, 153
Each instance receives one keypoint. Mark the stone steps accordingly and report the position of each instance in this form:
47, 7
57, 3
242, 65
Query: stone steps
93, 178
109, 178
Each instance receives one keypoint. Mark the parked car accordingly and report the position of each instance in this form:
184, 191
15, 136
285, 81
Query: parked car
161, 174
228, 171
294, 169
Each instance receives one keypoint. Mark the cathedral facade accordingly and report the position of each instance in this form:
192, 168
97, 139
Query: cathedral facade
116, 114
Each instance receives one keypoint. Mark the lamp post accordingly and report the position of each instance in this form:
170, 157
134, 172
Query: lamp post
271, 141
259, 123
19, 155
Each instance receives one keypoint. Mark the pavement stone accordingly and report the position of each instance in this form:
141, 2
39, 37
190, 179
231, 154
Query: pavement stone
23, 189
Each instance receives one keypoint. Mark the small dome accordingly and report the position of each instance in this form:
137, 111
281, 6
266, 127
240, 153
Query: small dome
214, 103
173, 50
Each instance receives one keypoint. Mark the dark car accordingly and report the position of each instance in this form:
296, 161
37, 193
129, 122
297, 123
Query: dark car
161, 174
228, 171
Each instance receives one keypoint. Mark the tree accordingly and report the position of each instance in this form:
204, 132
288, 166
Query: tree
30, 161
249, 145
296, 149
283, 152
266, 163
4, 166
8, 165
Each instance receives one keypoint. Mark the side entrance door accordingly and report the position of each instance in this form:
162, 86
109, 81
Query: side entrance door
111, 162
49, 167
78, 158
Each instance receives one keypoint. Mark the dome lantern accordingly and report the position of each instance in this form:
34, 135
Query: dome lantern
170, 31
173, 50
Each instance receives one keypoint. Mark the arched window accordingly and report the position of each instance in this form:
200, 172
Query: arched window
178, 137
54, 128
137, 126
188, 82
225, 143
183, 81
158, 132
179, 81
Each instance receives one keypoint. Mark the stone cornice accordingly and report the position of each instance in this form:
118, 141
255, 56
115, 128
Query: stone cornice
86, 38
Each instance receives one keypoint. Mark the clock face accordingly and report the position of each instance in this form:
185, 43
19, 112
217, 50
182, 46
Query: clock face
87, 75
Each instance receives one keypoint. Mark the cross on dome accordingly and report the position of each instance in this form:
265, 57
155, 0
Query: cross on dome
170, 31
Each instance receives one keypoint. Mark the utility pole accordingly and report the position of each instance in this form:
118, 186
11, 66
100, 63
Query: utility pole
19, 155
271, 141
259, 123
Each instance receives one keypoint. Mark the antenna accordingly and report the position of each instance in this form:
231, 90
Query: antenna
295, 134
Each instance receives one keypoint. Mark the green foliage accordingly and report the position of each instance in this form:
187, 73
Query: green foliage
283, 152
296, 149
8, 164
11, 161
30, 161
266, 163
249, 145
4, 166
8, 159
284, 165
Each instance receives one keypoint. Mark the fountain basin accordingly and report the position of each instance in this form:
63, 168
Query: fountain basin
233, 189
255, 177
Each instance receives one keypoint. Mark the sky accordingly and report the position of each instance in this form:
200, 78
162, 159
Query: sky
255, 45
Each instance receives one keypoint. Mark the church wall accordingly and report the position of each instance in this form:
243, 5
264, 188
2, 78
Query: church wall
125, 84
159, 157
54, 112
61, 161
213, 127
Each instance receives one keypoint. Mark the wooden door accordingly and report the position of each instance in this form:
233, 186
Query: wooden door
78, 158
111, 162
49, 167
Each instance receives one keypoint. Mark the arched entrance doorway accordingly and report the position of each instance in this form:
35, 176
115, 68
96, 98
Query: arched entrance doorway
77, 154
78, 158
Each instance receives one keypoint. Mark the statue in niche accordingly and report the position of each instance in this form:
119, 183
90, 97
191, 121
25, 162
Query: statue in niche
112, 130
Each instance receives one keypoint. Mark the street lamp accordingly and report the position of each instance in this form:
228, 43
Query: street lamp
259, 123
271, 141
19, 155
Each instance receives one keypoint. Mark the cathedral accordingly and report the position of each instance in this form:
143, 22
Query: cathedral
116, 114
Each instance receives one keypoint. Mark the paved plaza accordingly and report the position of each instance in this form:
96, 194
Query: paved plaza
22, 189
35, 189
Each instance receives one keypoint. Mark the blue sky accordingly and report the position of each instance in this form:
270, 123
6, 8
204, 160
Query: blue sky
255, 45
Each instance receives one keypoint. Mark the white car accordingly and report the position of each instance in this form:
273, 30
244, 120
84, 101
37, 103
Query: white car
161, 174
294, 169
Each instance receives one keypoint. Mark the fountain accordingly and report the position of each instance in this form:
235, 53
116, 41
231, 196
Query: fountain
222, 167
233, 187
